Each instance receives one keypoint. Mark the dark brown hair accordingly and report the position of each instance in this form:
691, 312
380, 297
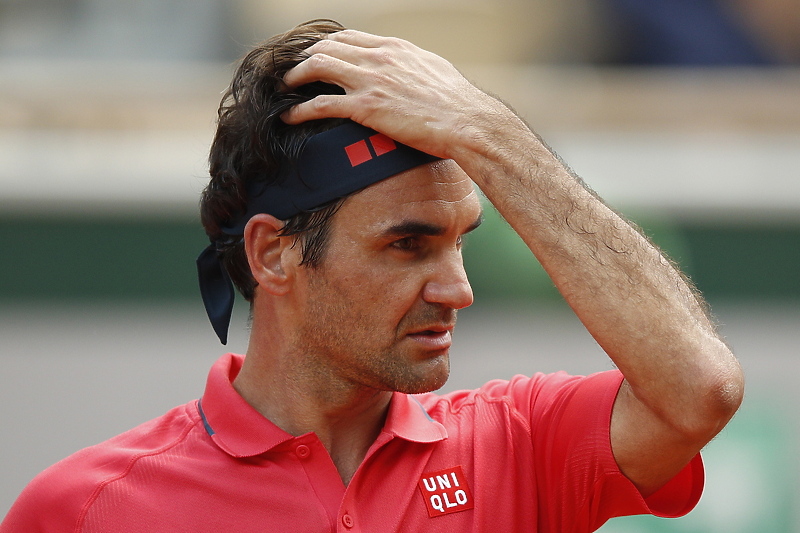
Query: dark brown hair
251, 142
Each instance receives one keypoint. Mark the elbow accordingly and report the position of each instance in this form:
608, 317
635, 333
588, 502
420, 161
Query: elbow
716, 401
728, 393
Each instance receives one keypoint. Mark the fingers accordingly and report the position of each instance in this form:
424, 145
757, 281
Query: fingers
322, 67
344, 59
390, 85
358, 38
323, 106
330, 58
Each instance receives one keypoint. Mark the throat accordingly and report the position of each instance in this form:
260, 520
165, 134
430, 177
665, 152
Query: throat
347, 466
348, 447
346, 421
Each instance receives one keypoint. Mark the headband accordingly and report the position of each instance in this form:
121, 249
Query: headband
332, 164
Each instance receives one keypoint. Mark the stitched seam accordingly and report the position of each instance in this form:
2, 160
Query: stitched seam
103, 484
505, 400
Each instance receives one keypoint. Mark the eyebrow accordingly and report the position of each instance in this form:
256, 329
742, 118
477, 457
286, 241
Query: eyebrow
413, 227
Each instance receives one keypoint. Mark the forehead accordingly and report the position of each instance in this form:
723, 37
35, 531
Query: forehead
439, 192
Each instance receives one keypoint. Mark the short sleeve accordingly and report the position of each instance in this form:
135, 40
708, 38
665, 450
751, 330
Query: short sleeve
51, 502
579, 483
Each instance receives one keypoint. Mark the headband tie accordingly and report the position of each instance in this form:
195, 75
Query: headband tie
332, 165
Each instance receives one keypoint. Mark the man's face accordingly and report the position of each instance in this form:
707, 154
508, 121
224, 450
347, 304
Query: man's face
379, 310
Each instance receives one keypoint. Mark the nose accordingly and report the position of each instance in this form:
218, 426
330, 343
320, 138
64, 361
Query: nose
449, 285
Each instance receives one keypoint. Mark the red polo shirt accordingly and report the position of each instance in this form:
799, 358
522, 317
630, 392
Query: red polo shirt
530, 454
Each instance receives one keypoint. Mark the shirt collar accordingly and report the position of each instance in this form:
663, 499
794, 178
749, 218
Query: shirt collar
408, 420
234, 425
241, 431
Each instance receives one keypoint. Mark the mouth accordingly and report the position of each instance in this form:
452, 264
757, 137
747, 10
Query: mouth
434, 337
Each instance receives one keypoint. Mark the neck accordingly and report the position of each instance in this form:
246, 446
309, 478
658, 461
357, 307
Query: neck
346, 418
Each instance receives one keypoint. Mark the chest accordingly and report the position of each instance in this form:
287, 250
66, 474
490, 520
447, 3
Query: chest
480, 478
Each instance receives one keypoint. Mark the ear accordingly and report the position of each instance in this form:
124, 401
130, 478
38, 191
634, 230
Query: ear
266, 253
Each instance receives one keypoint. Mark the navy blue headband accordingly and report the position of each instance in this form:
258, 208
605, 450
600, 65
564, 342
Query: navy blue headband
332, 165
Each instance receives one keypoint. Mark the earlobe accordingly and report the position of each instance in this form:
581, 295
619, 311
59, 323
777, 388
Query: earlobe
265, 249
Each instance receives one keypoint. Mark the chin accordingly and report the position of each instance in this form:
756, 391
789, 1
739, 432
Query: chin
431, 380
431, 387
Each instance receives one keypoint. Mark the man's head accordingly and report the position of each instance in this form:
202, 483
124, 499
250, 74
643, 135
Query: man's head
252, 142
299, 174
370, 295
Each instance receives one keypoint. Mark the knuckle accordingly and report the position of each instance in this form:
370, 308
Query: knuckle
348, 32
402, 44
322, 46
396, 42
321, 105
384, 56
318, 61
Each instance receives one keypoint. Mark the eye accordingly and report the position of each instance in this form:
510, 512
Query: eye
406, 244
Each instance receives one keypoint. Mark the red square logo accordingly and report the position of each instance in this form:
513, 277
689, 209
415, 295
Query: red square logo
445, 492
382, 144
358, 153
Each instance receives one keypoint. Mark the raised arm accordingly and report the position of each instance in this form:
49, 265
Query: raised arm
682, 383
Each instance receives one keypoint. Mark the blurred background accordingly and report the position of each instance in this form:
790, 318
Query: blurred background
683, 114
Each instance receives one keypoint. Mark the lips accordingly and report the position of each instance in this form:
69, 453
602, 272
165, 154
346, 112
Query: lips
431, 329
433, 337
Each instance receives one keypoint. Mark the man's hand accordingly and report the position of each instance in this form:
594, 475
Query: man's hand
394, 87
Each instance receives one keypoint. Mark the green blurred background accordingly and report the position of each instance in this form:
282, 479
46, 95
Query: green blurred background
685, 116
95, 257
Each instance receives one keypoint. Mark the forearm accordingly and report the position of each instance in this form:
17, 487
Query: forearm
631, 299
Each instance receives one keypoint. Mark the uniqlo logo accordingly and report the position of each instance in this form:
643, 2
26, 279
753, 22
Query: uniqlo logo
362, 151
445, 492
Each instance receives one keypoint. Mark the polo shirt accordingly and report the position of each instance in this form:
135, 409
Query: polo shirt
528, 454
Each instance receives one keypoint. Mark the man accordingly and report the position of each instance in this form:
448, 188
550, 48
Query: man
342, 185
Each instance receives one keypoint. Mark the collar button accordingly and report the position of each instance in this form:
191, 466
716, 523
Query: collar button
347, 521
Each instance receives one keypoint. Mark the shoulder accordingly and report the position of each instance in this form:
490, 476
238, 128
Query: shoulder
543, 412
58, 497
533, 396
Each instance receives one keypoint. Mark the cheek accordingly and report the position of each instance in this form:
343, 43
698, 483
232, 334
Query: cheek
384, 291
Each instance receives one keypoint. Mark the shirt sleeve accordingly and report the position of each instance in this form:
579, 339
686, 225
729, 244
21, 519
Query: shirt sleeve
579, 483
50, 503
